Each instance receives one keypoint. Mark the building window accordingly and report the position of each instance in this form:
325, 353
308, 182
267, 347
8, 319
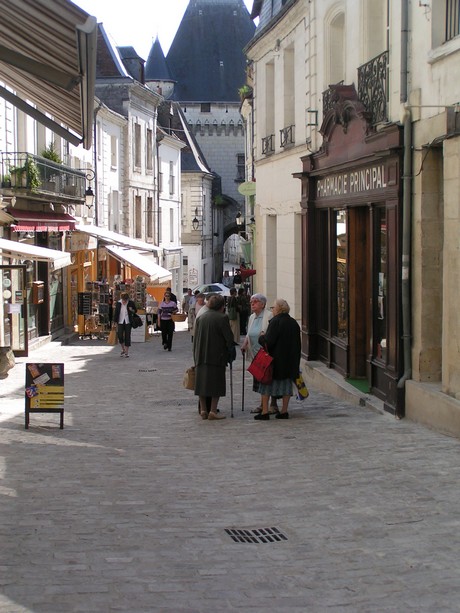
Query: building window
452, 19
171, 225
137, 145
171, 179
240, 167
149, 160
149, 220
205, 107
113, 151
336, 63
138, 216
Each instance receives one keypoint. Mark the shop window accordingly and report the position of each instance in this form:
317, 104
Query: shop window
341, 276
381, 284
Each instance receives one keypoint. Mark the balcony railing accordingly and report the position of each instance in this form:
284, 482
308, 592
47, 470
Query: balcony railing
328, 102
287, 136
373, 87
268, 144
41, 176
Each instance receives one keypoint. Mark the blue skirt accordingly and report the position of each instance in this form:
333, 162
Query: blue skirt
278, 387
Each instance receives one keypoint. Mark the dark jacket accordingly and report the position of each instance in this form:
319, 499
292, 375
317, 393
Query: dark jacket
283, 344
131, 310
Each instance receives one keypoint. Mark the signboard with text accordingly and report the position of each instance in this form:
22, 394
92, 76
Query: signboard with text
44, 390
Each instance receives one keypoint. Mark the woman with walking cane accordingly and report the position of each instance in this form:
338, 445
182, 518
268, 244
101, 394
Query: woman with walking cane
213, 349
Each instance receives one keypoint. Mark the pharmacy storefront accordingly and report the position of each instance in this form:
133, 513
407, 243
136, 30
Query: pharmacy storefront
351, 202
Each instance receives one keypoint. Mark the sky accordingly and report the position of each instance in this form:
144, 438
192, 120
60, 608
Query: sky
139, 26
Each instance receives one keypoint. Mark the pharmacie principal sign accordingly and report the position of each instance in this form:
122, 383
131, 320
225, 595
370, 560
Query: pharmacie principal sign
352, 182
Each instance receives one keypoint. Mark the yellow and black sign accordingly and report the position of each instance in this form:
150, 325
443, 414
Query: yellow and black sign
44, 391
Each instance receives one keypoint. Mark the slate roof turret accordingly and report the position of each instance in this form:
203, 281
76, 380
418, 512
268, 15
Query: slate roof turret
206, 57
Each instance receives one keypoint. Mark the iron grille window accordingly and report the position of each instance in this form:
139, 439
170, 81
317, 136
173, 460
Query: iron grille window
452, 19
286, 136
267, 144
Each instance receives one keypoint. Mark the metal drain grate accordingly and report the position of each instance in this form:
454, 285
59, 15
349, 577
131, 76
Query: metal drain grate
258, 535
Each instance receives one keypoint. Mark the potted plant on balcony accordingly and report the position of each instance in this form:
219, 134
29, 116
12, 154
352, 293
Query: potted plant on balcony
18, 176
32, 173
50, 153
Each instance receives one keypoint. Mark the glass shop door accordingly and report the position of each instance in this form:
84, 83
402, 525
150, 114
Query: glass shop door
13, 311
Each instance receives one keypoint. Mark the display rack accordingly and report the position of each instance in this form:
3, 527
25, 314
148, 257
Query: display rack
93, 304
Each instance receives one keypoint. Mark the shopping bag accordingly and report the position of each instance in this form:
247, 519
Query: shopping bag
112, 339
189, 378
137, 321
261, 367
300, 389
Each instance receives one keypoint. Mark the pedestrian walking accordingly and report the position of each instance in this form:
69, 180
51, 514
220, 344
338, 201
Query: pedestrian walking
123, 319
233, 314
187, 302
282, 341
244, 309
213, 349
166, 309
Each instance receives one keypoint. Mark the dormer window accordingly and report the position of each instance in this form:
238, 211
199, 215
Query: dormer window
205, 107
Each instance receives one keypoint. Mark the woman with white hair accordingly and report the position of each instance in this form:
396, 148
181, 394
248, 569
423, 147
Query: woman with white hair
257, 324
282, 341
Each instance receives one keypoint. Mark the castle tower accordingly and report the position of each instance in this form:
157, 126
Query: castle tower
157, 74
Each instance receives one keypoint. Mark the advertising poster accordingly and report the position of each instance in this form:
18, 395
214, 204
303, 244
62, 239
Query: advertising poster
44, 386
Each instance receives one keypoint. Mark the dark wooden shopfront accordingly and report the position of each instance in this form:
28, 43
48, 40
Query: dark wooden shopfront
351, 224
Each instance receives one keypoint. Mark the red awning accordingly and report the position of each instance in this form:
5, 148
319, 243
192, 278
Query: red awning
247, 272
36, 221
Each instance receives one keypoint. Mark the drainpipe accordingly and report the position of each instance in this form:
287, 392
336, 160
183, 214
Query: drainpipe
406, 204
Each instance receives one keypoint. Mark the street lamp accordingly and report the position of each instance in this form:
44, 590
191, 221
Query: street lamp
89, 194
239, 219
195, 221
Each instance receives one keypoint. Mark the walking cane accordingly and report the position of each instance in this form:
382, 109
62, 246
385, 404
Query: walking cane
231, 390
242, 394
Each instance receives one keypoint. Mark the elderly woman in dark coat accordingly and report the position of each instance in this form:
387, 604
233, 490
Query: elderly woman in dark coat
213, 349
282, 341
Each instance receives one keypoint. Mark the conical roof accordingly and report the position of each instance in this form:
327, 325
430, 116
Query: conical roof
156, 68
206, 57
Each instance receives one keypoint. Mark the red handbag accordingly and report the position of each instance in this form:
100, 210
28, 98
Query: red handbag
261, 367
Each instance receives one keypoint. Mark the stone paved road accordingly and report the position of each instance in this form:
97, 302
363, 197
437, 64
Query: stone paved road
127, 508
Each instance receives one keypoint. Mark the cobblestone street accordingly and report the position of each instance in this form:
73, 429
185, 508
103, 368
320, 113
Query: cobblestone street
129, 507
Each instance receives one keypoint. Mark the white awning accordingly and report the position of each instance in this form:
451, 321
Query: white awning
48, 58
118, 239
142, 262
24, 251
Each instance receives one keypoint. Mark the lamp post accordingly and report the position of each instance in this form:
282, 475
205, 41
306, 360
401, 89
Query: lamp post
195, 221
89, 194
239, 219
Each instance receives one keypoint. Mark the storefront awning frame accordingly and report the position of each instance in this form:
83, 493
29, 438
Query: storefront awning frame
143, 263
48, 65
13, 249
115, 238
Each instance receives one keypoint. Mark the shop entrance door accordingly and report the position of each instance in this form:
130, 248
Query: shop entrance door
13, 324
359, 291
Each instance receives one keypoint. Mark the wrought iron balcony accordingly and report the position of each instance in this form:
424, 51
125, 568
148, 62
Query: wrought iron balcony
287, 136
328, 102
41, 176
268, 144
373, 87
